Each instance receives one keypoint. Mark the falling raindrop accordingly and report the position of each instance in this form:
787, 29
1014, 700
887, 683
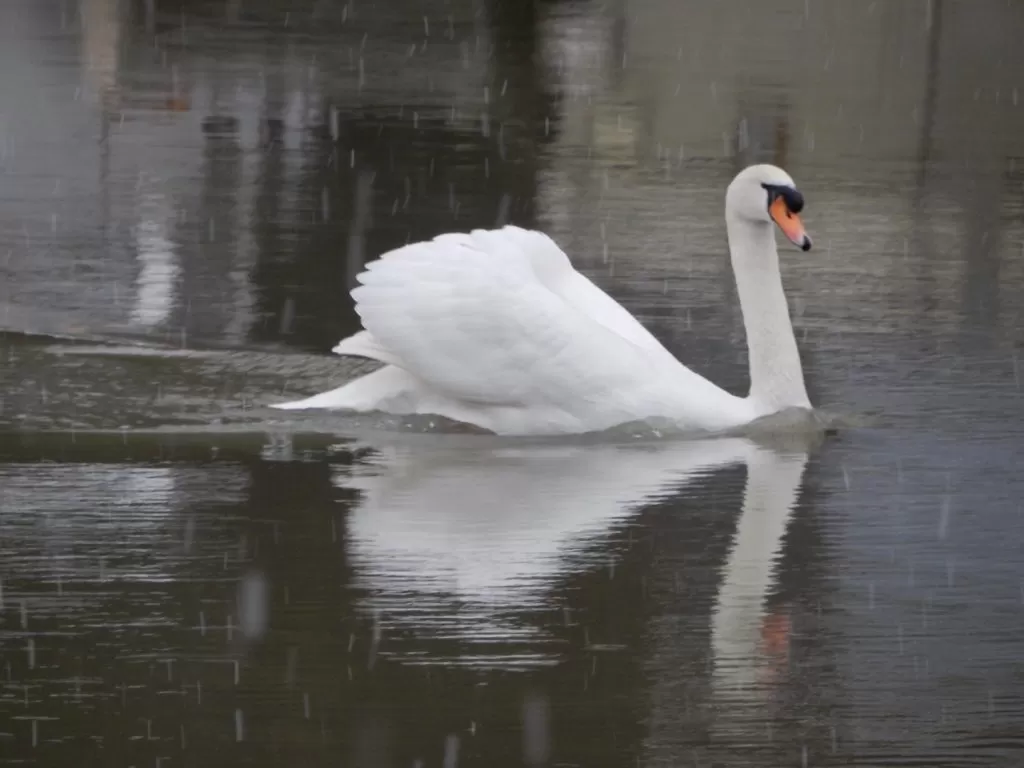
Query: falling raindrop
504, 208
536, 730
335, 123
451, 751
253, 604
944, 514
374, 642
287, 316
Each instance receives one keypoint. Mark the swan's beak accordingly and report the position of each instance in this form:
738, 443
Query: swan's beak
790, 224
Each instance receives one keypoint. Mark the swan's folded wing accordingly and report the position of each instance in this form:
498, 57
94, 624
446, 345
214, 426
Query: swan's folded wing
553, 268
469, 316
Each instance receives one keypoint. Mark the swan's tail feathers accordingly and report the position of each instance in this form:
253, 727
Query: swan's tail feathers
388, 389
363, 344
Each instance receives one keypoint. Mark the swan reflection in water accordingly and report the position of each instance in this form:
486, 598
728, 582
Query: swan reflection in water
456, 538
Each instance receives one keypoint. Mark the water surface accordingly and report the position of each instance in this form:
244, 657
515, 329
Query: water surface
188, 577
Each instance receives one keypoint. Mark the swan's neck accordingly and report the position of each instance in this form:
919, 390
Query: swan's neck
776, 376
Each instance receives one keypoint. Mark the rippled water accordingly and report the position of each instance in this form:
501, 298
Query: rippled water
188, 577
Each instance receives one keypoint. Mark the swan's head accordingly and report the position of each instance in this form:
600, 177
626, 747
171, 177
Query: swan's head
765, 193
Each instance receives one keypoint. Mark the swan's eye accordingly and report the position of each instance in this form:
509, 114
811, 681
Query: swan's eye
794, 200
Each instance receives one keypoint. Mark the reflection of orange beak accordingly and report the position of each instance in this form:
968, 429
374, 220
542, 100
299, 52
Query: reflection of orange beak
775, 631
775, 634
790, 224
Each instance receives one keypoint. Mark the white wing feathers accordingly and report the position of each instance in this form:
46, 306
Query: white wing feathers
496, 328
469, 316
362, 344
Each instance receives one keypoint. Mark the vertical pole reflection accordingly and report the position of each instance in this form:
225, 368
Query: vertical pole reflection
925, 142
518, 107
921, 240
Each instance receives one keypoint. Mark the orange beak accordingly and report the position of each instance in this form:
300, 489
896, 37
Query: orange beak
790, 224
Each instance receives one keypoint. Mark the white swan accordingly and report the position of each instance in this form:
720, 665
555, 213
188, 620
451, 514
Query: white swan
496, 329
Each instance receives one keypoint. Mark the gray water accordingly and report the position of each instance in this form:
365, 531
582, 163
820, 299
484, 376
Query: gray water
188, 577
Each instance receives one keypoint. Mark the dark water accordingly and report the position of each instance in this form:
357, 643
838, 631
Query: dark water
189, 578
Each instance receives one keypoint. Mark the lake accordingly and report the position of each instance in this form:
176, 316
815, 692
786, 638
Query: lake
188, 577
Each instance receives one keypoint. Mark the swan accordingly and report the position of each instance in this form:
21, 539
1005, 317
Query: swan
496, 329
